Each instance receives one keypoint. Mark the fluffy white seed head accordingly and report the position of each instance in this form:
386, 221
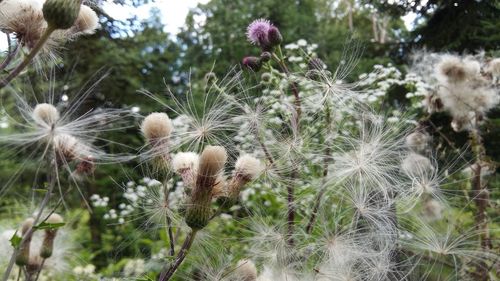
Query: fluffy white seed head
45, 114
493, 67
55, 219
246, 271
416, 165
433, 209
66, 147
23, 18
212, 161
451, 69
87, 21
156, 126
185, 160
248, 166
417, 141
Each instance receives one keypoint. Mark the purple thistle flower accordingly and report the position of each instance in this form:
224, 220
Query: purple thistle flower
257, 32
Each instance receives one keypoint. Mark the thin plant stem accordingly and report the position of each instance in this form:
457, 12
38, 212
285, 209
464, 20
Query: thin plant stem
295, 90
39, 270
481, 198
319, 195
45, 36
290, 214
19, 274
266, 151
168, 220
290, 189
52, 182
167, 274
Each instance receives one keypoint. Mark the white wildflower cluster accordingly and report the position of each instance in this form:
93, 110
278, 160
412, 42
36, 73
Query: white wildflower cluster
300, 51
97, 201
134, 268
86, 272
377, 85
134, 195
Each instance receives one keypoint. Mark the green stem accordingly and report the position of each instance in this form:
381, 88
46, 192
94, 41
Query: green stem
45, 36
167, 274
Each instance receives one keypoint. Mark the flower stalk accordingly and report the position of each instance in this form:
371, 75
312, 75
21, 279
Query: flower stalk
186, 246
16, 71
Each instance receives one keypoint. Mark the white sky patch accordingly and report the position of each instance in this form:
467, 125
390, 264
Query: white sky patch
409, 20
173, 12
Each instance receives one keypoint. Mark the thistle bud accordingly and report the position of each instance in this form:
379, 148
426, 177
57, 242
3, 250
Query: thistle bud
274, 36
245, 271
212, 161
265, 56
61, 14
50, 235
316, 64
23, 254
252, 63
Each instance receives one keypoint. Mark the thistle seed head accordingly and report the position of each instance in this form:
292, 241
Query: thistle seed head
66, 148
246, 270
248, 167
45, 114
185, 160
418, 141
212, 161
24, 18
86, 22
156, 127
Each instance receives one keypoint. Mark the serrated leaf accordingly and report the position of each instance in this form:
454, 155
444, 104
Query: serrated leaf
15, 240
51, 226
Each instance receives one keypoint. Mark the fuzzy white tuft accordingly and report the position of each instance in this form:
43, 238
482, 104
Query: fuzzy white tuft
156, 126
246, 271
55, 219
418, 141
416, 165
248, 166
87, 21
185, 160
45, 114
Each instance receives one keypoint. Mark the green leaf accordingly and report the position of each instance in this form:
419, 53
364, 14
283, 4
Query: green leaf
40, 190
51, 226
15, 240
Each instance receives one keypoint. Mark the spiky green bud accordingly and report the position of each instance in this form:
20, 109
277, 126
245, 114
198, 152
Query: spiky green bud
61, 14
